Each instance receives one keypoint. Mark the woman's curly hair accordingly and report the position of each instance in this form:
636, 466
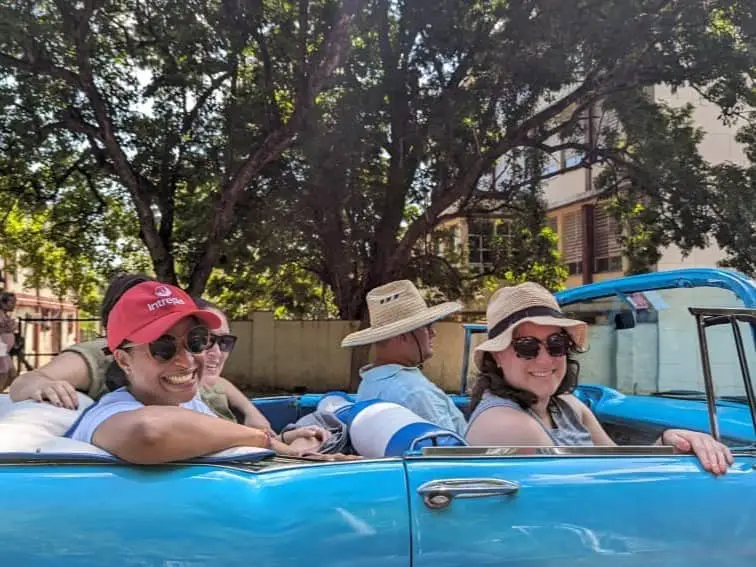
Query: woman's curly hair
491, 378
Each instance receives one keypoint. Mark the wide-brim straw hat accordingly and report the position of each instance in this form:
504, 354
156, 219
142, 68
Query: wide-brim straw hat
510, 307
397, 308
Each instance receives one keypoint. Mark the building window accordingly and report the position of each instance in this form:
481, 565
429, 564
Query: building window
572, 158
444, 241
551, 164
551, 222
572, 242
607, 250
480, 241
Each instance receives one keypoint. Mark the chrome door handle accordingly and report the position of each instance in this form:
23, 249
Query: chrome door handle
438, 494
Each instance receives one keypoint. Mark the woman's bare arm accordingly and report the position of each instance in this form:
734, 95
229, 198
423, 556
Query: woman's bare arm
506, 426
589, 421
160, 434
55, 382
252, 416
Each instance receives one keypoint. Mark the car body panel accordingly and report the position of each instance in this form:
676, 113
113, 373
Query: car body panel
633, 507
588, 511
188, 515
656, 413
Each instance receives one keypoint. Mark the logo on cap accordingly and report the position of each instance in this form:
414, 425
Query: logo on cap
162, 291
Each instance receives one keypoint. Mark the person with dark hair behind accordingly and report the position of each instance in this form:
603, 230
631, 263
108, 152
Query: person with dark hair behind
527, 371
158, 336
79, 367
7, 337
88, 368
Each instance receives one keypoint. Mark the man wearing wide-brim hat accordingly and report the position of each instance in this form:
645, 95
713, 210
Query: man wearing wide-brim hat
402, 332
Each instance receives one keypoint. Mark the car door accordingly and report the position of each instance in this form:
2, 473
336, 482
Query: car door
285, 514
579, 506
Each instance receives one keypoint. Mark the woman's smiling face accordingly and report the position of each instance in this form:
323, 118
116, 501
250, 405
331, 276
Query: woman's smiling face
540, 375
170, 382
215, 358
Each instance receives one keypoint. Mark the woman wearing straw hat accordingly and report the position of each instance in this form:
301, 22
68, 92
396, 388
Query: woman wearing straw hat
522, 393
402, 332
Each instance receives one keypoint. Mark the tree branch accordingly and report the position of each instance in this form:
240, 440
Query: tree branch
334, 51
140, 194
36, 66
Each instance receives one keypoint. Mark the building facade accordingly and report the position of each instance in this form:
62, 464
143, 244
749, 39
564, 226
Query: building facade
588, 236
47, 323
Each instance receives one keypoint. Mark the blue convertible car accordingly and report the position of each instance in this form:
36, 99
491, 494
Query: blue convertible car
669, 349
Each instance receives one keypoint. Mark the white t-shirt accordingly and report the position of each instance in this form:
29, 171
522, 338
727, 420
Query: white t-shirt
116, 402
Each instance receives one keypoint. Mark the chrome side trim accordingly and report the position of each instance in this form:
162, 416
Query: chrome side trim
530, 451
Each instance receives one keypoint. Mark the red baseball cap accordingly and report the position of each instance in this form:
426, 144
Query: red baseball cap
148, 310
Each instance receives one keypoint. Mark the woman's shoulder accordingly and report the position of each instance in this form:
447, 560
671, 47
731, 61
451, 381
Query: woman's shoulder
119, 395
504, 423
572, 401
495, 400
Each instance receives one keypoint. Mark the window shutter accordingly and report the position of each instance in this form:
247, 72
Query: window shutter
606, 234
551, 222
573, 237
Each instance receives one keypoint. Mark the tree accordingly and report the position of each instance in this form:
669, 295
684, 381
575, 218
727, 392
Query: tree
699, 204
437, 96
178, 108
734, 207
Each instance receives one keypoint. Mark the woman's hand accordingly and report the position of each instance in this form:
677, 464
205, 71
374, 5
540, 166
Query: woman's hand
312, 432
57, 392
715, 457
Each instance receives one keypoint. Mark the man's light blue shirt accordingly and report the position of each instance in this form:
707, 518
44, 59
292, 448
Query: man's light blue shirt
408, 386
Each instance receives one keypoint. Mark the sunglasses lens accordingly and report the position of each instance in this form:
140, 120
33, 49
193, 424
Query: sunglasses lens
526, 347
227, 343
164, 348
197, 340
558, 344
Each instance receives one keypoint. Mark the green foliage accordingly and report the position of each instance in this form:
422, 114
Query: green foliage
173, 110
733, 207
289, 291
435, 96
24, 243
242, 140
667, 194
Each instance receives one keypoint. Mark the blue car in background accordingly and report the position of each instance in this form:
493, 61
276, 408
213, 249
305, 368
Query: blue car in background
433, 506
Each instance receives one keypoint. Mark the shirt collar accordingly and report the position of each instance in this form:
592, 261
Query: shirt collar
384, 371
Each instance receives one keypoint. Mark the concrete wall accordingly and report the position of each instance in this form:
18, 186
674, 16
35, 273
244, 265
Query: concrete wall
665, 355
658, 355
274, 355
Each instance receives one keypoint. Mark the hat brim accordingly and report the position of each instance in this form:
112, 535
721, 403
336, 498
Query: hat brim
578, 331
373, 335
156, 329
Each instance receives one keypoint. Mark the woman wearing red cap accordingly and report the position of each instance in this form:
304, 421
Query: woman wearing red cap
157, 335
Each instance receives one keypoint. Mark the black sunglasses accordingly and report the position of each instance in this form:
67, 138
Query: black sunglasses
196, 341
556, 345
226, 343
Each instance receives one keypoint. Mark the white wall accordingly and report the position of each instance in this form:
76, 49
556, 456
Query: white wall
665, 355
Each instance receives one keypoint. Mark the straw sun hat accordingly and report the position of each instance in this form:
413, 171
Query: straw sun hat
510, 307
397, 308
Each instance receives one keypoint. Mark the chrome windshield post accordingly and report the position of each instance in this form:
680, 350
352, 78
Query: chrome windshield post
744, 371
710, 317
711, 401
